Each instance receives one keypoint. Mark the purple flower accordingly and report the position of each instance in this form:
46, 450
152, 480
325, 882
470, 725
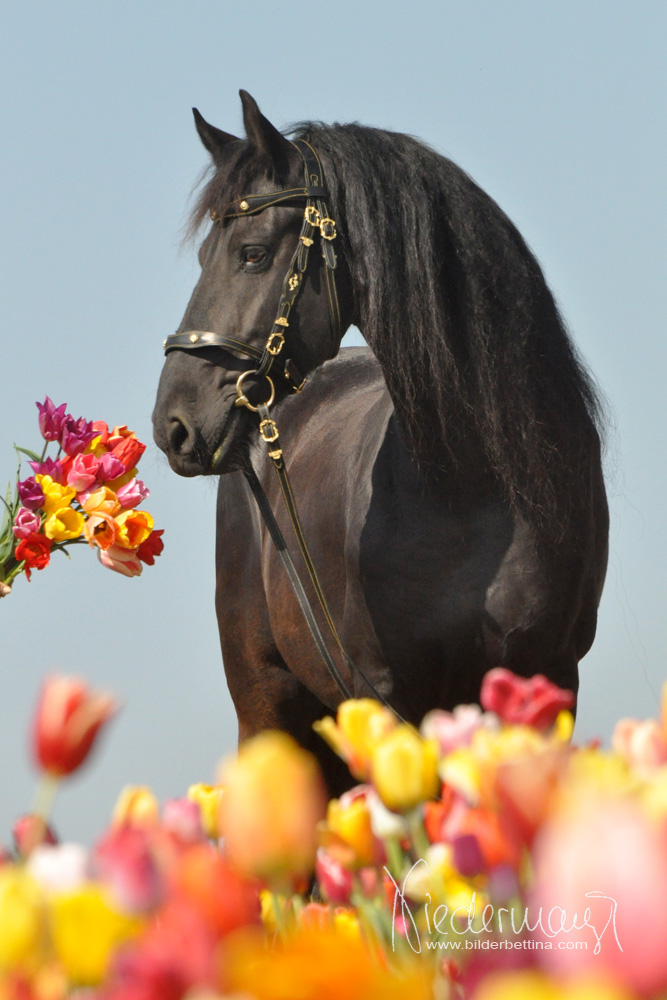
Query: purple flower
75, 435
31, 494
25, 522
51, 419
49, 467
110, 468
132, 494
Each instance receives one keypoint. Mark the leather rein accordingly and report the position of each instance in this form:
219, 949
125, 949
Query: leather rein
273, 359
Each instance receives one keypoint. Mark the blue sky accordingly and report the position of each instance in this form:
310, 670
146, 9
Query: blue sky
556, 109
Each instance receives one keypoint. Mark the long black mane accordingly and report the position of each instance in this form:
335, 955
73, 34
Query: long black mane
455, 307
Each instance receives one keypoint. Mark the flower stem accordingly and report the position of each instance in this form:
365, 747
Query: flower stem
418, 833
44, 795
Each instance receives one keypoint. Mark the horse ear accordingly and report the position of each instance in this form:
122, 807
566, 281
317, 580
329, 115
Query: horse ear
267, 140
215, 140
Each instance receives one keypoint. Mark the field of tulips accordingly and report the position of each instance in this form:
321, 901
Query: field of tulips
483, 856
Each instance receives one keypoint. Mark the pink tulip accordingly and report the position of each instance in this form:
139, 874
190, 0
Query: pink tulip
83, 472
121, 560
25, 522
335, 881
132, 494
604, 865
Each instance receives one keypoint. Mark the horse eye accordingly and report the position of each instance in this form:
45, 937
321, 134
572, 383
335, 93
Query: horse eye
253, 256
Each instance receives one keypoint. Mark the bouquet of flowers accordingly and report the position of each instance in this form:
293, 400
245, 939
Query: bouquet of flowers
88, 492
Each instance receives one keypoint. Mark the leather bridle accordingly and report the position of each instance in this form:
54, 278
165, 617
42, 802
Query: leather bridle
316, 221
273, 359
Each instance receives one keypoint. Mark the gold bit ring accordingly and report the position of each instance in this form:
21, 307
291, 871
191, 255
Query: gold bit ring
242, 400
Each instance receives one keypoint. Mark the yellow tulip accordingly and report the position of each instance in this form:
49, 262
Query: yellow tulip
360, 725
349, 819
63, 524
56, 496
134, 527
208, 798
87, 930
274, 797
405, 769
22, 921
136, 806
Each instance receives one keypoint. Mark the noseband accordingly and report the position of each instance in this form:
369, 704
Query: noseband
316, 220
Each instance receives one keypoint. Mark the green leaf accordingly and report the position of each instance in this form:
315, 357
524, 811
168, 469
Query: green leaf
32, 455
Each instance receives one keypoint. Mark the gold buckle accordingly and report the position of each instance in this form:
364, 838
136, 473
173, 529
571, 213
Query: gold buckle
268, 430
275, 348
242, 400
330, 226
312, 216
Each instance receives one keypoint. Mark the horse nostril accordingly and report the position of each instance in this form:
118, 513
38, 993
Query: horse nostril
178, 434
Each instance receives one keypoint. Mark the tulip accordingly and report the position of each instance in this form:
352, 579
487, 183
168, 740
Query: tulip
26, 522
134, 527
49, 467
208, 798
455, 729
64, 524
360, 725
121, 560
35, 551
75, 435
182, 818
22, 921
102, 501
69, 716
124, 862
274, 797
56, 495
83, 472
131, 494
405, 769
151, 548
349, 821
641, 744
101, 530
224, 898
29, 832
31, 493
599, 854
51, 419
335, 881
87, 930
533, 701
136, 806
128, 451
110, 468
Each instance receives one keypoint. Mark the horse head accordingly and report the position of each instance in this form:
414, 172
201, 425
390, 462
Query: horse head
270, 241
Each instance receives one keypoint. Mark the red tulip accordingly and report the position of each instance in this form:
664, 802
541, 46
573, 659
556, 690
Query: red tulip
68, 719
522, 701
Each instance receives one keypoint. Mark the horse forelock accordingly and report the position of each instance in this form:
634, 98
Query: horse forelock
455, 307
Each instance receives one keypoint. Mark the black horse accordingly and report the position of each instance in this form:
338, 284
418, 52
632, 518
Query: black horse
448, 478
